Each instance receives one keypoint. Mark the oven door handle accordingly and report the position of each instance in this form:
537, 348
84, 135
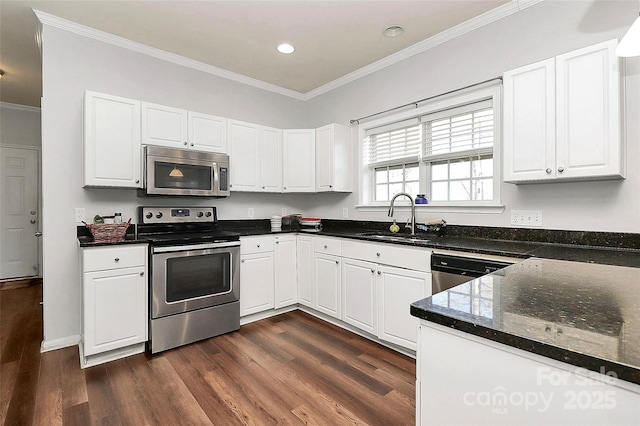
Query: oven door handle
187, 247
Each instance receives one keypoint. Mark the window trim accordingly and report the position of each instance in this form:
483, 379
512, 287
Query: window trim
366, 176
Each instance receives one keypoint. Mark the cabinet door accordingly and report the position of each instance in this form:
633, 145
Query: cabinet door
271, 156
588, 106
256, 283
164, 126
207, 132
112, 145
397, 289
359, 295
304, 268
244, 149
530, 123
333, 159
327, 284
324, 158
114, 309
299, 160
286, 286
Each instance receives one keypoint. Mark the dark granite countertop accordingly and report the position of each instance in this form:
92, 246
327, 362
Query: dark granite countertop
584, 314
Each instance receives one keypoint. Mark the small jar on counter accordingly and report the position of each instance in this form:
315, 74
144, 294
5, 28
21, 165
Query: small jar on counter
117, 218
421, 199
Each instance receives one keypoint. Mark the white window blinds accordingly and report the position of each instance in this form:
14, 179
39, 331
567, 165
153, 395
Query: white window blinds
398, 141
462, 130
455, 132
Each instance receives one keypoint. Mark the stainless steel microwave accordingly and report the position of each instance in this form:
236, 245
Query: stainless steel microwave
171, 171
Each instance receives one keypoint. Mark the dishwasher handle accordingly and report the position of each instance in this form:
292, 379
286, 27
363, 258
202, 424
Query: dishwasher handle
465, 266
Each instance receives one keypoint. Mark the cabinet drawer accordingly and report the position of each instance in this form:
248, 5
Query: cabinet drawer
389, 254
257, 244
102, 258
327, 246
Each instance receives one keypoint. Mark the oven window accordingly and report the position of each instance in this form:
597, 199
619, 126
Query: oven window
182, 176
198, 276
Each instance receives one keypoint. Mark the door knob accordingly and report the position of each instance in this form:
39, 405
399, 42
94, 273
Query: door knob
32, 212
38, 234
32, 221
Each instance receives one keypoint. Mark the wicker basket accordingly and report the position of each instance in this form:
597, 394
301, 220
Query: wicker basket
108, 232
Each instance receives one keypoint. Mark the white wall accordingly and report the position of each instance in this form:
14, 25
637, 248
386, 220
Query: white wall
73, 64
539, 32
19, 125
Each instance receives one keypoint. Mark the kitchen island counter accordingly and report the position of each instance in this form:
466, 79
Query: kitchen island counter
583, 314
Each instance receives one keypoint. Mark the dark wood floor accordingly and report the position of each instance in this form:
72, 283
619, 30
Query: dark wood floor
289, 369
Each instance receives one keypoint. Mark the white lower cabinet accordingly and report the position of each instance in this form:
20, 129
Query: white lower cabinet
256, 274
268, 277
327, 284
304, 269
256, 287
397, 289
359, 295
114, 302
284, 257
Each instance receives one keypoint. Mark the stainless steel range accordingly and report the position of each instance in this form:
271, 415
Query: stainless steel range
195, 275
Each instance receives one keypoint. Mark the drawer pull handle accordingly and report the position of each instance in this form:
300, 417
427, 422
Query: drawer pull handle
337, 262
373, 271
242, 261
258, 245
548, 170
547, 329
117, 259
378, 254
142, 274
325, 246
379, 273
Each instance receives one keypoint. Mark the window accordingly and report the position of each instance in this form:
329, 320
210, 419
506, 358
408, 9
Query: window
448, 151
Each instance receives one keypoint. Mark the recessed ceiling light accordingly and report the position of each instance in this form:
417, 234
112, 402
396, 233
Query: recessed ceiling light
393, 31
286, 48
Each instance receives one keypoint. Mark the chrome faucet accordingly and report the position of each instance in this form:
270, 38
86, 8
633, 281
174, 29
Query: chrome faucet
413, 210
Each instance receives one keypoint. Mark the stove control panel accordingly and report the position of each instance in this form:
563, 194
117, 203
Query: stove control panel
177, 214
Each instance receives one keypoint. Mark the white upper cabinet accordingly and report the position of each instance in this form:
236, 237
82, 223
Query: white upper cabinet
164, 126
562, 118
178, 128
271, 159
244, 156
299, 160
333, 159
588, 110
529, 122
111, 141
255, 154
207, 132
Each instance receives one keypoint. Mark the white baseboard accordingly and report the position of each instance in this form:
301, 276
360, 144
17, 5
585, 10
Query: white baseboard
64, 342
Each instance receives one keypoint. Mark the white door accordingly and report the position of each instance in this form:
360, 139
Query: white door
207, 132
19, 214
299, 160
324, 158
256, 288
271, 167
164, 126
327, 284
244, 149
359, 295
398, 289
284, 259
304, 269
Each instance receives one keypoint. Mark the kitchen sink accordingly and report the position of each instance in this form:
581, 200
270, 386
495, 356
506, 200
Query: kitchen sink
389, 236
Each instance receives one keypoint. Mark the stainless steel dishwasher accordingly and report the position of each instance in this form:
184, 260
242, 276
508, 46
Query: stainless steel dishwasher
449, 271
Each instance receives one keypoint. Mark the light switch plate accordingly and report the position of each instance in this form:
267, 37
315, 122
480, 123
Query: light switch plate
526, 218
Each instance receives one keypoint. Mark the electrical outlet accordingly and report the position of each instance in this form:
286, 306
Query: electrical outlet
250, 212
345, 212
526, 218
284, 211
80, 215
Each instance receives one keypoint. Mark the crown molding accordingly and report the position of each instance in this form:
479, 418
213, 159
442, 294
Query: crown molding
19, 107
486, 18
63, 24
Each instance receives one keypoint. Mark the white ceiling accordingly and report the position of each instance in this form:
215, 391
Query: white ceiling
332, 38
